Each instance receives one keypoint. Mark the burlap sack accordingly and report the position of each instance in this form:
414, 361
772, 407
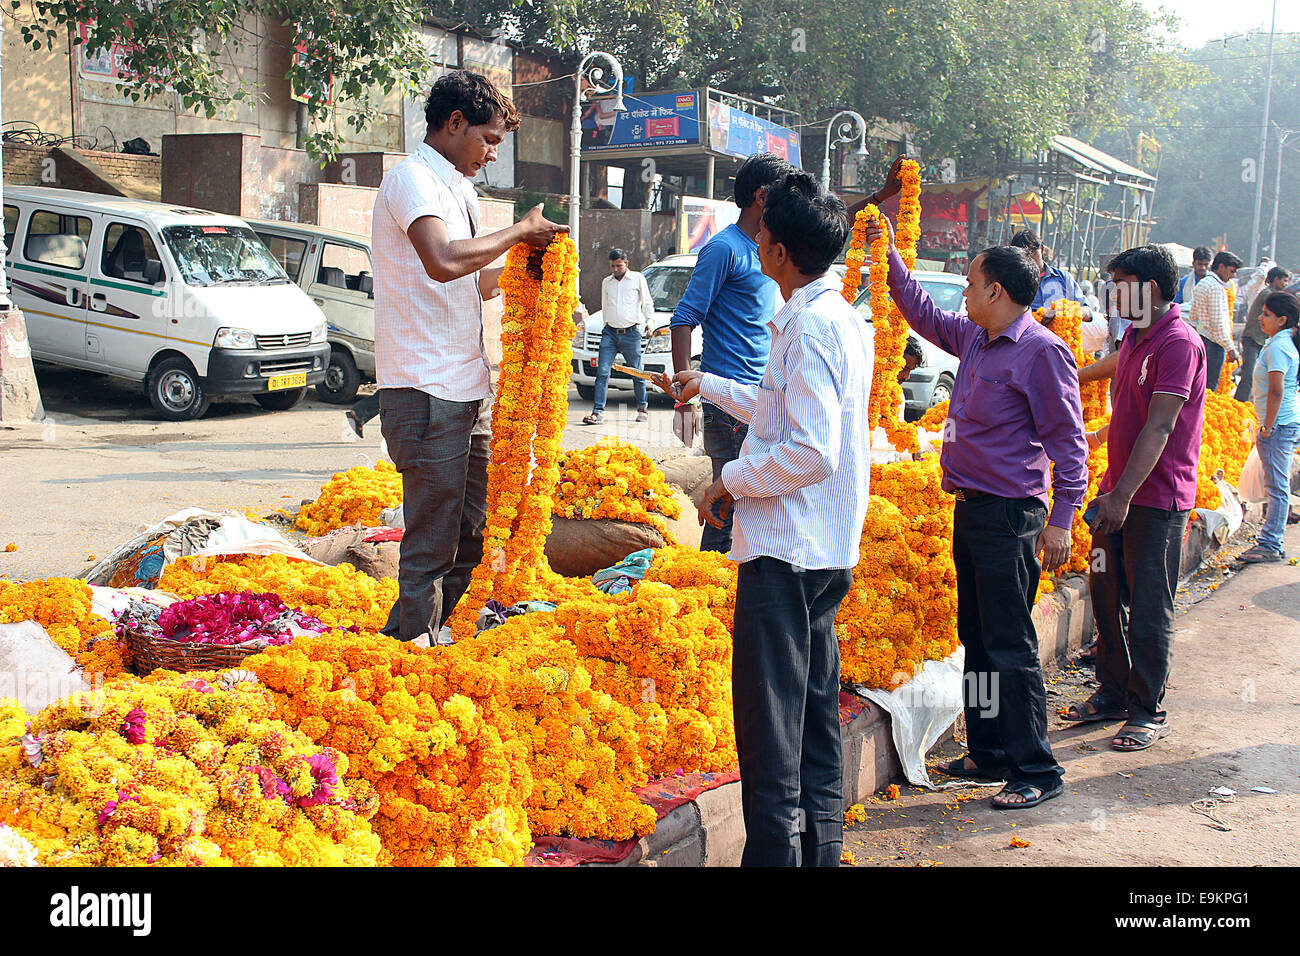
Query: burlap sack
691, 473
379, 559
335, 547
578, 548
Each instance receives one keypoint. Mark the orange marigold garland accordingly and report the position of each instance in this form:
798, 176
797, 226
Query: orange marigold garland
889, 327
857, 254
527, 420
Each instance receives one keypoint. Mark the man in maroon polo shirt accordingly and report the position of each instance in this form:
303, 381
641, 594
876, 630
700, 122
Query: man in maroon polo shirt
1015, 412
1148, 490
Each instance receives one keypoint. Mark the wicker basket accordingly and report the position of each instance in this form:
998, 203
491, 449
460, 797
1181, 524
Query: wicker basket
150, 653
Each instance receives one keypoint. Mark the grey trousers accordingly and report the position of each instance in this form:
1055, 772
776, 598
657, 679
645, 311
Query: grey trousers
441, 450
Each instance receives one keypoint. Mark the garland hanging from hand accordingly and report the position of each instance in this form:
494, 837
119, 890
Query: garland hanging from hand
528, 419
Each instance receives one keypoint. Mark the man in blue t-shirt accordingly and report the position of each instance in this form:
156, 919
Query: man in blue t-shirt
729, 295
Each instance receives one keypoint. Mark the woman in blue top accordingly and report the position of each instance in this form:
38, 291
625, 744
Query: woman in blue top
1275, 398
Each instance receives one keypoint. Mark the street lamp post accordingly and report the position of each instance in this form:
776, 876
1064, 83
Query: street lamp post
1282, 137
595, 76
843, 134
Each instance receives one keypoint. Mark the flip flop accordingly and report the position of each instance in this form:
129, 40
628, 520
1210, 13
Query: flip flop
1094, 713
354, 422
1144, 732
1033, 795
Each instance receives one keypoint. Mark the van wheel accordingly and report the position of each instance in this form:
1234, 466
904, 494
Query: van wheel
175, 391
587, 392
342, 379
280, 401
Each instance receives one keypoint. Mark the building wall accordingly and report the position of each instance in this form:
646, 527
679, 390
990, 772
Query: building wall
36, 83
69, 168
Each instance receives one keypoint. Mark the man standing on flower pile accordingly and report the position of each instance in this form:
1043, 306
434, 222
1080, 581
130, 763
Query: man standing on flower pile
435, 389
800, 487
1153, 446
1015, 412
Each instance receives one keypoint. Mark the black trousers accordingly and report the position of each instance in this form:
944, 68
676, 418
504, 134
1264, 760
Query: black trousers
785, 675
441, 450
994, 546
1133, 579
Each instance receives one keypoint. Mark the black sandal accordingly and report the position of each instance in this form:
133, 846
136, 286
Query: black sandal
957, 768
1144, 733
355, 423
1033, 795
1093, 713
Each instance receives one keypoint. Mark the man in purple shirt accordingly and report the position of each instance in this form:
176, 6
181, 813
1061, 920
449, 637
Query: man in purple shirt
1149, 488
1015, 411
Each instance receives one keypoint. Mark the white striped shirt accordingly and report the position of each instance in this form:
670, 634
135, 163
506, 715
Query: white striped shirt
803, 477
428, 334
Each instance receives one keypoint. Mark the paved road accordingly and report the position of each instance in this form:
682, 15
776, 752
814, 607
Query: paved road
1234, 706
105, 464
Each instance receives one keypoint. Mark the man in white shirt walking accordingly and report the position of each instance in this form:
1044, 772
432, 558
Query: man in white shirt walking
627, 309
800, 490
434, 380
1210, 316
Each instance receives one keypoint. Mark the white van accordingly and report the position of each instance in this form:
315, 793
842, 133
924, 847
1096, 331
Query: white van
333, 267
191, 303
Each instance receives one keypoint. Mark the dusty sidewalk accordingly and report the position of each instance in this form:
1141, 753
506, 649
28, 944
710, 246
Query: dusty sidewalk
1234, 704
106, 464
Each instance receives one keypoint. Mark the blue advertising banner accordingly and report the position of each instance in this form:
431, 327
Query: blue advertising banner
737, 133
657, 119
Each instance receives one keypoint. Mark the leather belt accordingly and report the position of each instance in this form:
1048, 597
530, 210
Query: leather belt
967, 494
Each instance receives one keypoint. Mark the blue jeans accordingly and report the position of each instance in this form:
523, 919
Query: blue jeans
723, 436
626, 342
1275, 455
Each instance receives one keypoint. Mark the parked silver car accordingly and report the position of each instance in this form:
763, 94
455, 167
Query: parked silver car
930, 382
332, 267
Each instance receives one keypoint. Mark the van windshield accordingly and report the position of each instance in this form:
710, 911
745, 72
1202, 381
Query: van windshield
213, 255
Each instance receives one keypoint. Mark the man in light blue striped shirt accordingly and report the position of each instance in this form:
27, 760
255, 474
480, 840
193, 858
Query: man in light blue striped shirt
800, 489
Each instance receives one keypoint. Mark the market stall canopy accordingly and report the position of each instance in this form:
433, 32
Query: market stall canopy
1182, 254
1095, 160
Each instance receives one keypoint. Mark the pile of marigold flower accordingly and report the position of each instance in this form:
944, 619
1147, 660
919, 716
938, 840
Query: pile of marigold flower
901, 607
340, 596
615, 479
353, 497
62, 607
450, 790
181, 771
1227, 435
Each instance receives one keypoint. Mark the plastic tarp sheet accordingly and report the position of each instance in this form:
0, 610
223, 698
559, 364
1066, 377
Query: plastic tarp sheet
921, 711
233, 534
33, 669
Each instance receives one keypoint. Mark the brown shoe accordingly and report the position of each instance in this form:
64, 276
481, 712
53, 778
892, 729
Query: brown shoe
642, 415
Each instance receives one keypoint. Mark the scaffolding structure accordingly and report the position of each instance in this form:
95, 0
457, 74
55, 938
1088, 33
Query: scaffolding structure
1094, 204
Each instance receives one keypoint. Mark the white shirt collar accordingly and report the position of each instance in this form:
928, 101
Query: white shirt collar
440, 164
802, 297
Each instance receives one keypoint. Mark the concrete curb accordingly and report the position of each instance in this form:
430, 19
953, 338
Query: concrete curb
710, 831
